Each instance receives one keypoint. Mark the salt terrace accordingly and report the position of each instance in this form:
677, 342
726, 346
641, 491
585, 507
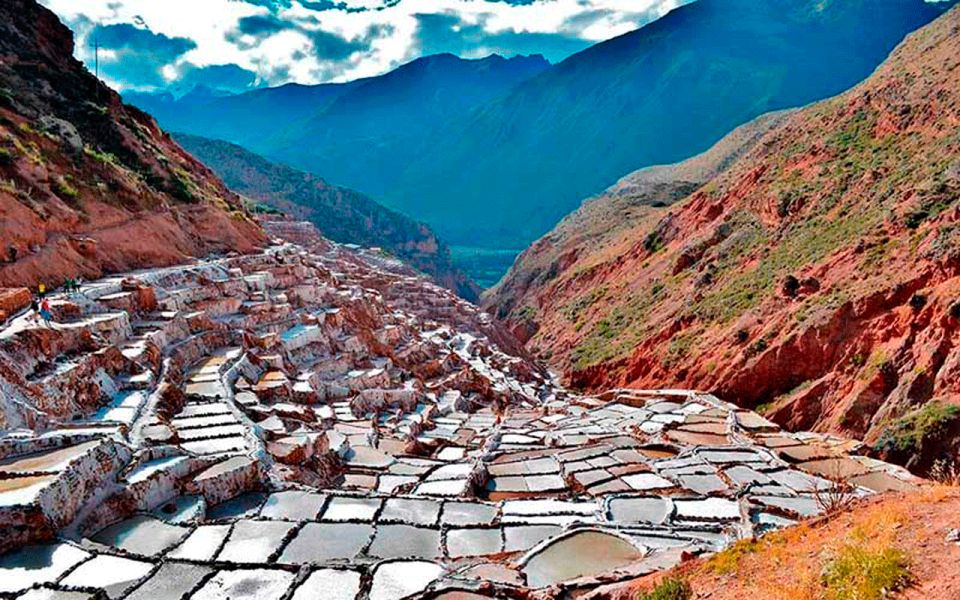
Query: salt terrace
319, 422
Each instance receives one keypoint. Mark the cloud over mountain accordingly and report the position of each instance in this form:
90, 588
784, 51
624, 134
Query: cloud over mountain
241, 44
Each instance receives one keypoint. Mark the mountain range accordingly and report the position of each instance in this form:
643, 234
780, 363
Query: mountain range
493, 152
808, 265
360, 132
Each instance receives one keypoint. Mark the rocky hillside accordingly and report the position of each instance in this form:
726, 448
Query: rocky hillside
817, 278
341, 214
903, 543
87, 184
601, 221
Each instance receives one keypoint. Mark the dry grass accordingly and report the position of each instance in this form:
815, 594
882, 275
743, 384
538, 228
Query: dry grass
859, 573
671, 588
806, 562
837, 497
946, 473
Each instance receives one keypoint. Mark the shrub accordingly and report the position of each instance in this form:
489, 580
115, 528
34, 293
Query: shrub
181, 188
758, 347
62, 188
790, 286
918, 301
102, 157
527, 313
653, 243
7, 156
728, 560
928, 422
265, 209
955, 310
945, 472
671, 588
836, 497
860, 573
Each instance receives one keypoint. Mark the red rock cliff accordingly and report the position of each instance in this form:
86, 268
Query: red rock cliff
87, 184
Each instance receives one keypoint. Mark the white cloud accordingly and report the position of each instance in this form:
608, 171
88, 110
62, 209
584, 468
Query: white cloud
376, 36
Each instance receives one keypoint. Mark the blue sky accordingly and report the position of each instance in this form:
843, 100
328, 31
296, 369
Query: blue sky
241, 44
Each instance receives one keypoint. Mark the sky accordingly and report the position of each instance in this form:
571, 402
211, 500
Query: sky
235, 45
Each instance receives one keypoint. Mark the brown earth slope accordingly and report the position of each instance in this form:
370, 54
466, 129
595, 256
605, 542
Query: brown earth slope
818, 277
793, 564
87, 184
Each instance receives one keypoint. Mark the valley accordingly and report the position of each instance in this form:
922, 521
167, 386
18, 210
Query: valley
493, 152
263, 347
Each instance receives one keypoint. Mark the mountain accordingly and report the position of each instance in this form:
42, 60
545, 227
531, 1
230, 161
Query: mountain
816, 278
360, 132
341, 214
89, 185
657, 95
366, 137
250, 119
492, 153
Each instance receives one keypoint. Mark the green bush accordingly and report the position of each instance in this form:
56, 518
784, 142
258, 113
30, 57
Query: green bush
758, 347
653, 243
265, 209
928, 422
103, 157
671, 588
859, 573
181, 187
62, 188
527, 313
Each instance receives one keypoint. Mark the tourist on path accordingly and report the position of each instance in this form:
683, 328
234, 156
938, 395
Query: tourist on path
45, 311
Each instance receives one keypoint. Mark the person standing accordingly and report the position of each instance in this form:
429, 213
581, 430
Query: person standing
45, 311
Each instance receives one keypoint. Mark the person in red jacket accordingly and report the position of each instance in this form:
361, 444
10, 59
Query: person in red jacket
45, 311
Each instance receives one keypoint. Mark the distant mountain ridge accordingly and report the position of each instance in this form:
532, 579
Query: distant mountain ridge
653, 96
358, 134
494, 152
341, 214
